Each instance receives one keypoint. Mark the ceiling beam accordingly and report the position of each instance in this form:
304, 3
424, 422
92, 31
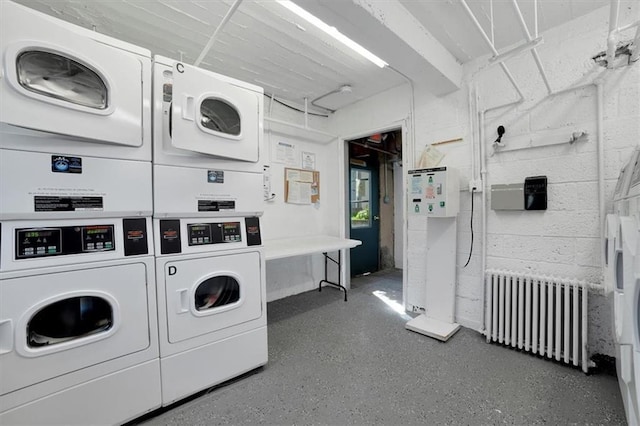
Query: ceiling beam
390, 31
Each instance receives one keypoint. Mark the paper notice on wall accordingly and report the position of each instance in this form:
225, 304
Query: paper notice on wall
285, 153
308, 160
299, 192
430, 157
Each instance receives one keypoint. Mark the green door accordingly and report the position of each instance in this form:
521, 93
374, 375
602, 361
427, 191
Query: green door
365, 220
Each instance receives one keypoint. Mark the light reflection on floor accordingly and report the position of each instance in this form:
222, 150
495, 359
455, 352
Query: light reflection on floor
393, 304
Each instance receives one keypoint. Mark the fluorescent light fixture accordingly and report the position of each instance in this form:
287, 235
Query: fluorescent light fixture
332, 31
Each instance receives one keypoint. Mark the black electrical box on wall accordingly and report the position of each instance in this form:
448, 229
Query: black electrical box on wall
535, 193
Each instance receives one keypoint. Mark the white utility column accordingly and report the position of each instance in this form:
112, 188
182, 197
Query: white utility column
435, 194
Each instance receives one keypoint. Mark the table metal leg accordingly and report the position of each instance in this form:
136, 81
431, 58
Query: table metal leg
326, 280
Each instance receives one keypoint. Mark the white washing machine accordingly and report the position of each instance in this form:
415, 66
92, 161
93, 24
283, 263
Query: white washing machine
206, 120
627, 266
78, 321
211, 302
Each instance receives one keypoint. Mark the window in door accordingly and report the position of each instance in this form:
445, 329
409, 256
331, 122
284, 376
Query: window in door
69, 319
220, 116
58, 77
360, 198
216, 292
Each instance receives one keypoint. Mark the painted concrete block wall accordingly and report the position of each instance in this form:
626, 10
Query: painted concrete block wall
565, 239
294, 275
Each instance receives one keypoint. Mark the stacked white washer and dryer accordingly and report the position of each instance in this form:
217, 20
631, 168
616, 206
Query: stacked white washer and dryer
622, 274
207, 168
99, 321
78, 319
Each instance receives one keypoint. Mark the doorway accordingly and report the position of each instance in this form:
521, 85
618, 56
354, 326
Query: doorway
375, 212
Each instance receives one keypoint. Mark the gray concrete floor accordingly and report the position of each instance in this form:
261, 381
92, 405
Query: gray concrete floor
332, 362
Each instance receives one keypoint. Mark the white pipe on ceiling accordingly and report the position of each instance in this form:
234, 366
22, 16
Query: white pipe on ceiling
516, 50
534, 52
535, 18
212, 40
636, 46
493, 35
491, 46
298, 126
612, 39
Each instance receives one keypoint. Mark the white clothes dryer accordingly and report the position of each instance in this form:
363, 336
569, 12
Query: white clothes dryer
75, 121
636, 345
627, 273
90, 94
78, 322
211, 302
206, 120
612, 238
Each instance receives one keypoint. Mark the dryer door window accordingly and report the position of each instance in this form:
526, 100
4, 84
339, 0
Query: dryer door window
216, 292
69, 319
220, 116
59, 77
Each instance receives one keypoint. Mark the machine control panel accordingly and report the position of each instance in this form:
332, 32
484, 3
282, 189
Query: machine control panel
97, 238
214, 233
42, 242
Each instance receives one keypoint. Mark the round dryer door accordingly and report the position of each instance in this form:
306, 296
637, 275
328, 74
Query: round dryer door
209, 294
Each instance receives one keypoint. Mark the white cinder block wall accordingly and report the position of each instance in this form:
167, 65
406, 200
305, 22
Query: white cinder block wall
564, 240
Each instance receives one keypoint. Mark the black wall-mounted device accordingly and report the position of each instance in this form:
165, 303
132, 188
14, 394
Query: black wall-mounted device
535, 193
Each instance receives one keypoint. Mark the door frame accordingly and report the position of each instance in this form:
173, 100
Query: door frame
344, 177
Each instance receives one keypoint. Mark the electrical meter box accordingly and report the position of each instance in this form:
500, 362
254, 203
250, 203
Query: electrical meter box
434, 192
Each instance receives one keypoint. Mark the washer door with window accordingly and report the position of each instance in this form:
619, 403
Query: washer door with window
58, 81
208, 294
214, 117
54, 324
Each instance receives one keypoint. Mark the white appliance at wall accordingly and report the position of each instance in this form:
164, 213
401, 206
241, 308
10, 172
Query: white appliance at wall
75, 120
435, 195
207, 120
211, 302
78, 321
208, 196
612, 231
78, 318
626, 314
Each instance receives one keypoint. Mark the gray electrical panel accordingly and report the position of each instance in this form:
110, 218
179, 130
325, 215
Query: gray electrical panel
507, 196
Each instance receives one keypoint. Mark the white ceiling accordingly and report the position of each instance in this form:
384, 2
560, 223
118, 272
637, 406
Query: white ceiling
266, 44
